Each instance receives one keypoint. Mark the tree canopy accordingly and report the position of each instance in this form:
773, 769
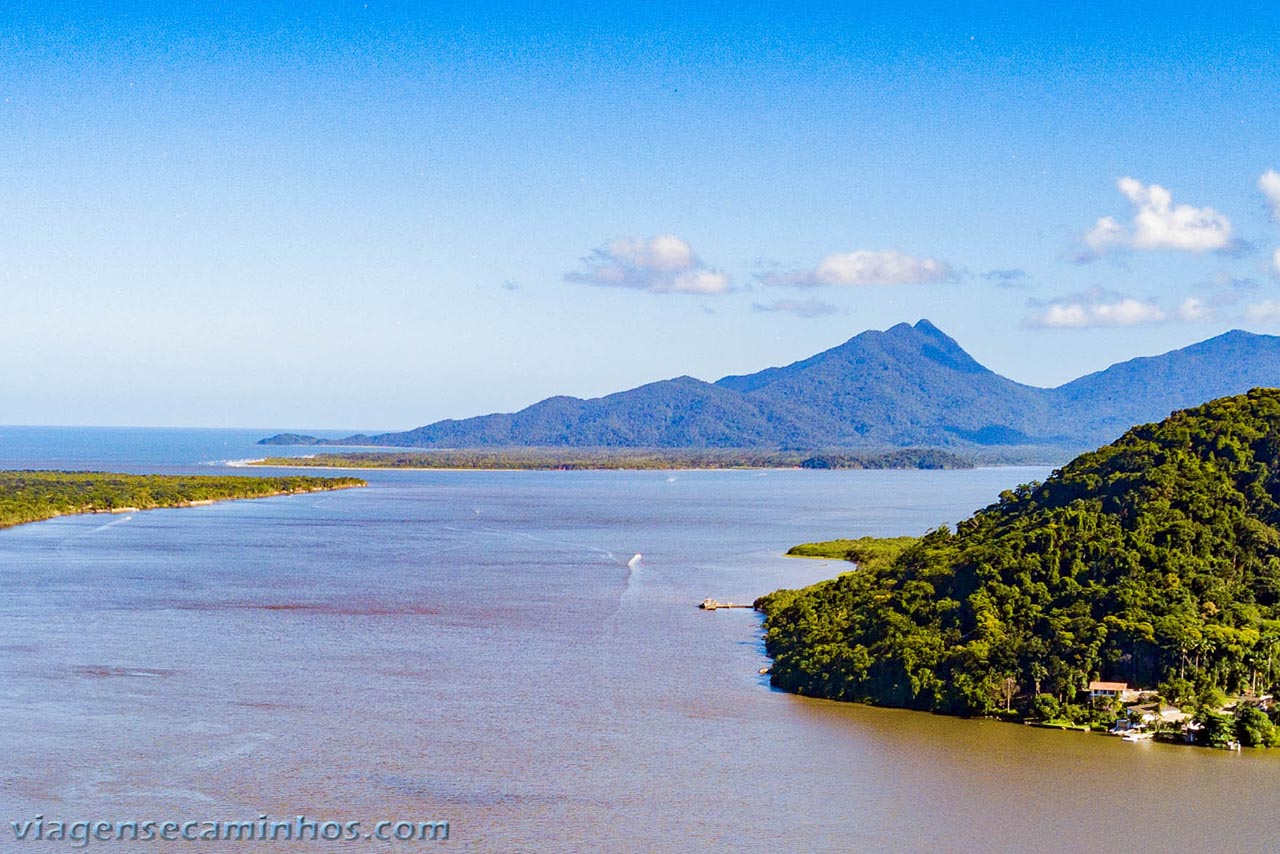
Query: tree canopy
1155, 559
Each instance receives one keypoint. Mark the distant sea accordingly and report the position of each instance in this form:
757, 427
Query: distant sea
473, 647
135, 449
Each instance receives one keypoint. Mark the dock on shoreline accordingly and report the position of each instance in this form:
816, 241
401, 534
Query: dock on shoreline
712, 605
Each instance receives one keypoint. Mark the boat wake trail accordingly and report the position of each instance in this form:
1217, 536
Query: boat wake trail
631, 565
553, 542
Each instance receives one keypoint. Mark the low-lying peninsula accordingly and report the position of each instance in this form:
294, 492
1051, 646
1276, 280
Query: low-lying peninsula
574, 459
1153, 562
869, 553
30, 496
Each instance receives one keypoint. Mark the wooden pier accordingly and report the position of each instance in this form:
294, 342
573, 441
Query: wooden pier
712, 605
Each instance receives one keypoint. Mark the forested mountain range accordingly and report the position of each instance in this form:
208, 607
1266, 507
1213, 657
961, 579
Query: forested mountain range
908, 386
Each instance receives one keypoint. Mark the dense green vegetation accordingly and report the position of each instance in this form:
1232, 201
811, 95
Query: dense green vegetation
1154, 560
568, 459
869, 553
907, 458
29, 496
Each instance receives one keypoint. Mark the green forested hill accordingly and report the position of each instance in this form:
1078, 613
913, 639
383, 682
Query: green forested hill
1152, 560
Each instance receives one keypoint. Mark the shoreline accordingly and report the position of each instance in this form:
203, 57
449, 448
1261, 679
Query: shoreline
261, 462
257, 464
607, 459
89, 510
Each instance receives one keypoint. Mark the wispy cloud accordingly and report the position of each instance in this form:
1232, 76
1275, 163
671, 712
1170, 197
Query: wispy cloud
1093, 309
800, 308
1223, 289
664, 264
1222, 280
1267, 311
1157, 224
1195, 310
1008, 278
865, 267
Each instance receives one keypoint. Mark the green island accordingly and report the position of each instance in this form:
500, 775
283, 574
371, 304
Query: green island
30, 496
1137, 586
577, 459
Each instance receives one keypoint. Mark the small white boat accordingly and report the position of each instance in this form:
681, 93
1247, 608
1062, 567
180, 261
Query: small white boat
1137, 735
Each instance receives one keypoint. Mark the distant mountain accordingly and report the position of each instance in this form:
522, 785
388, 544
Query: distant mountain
908, 386
678, 413
1108, 402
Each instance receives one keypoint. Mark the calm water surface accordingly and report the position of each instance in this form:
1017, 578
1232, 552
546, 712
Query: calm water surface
472, 646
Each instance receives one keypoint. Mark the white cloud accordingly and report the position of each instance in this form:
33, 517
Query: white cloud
866, 267
1269, 184
1267, 311
1194, 309
800, 308
1157, 224
662, 265
1106, 234
1096, 308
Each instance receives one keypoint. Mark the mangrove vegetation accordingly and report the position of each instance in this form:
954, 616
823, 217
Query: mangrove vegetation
571, 459
29, 496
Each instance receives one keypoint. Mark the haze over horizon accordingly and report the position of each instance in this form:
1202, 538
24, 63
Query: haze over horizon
366, 216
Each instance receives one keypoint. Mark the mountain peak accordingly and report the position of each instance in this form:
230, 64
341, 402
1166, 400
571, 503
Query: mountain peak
923, 325
920, 333
907, 385
1233, 336
935, 345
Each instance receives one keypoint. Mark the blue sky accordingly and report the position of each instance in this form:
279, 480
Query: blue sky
374, 215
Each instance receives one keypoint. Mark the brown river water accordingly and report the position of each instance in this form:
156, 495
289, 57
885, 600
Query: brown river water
472, 647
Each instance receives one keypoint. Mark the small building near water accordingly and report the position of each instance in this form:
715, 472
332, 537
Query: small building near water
1112, 691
